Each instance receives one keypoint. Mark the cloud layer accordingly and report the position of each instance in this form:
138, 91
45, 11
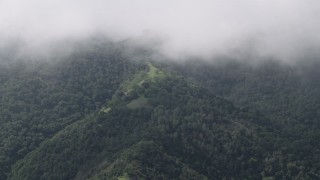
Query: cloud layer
279, 28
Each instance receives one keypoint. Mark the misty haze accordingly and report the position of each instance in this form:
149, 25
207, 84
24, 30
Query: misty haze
130, 90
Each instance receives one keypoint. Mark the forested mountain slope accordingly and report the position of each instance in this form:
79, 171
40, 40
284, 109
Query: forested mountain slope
157, 126
38, 99
289, 94
281, 90
100, 114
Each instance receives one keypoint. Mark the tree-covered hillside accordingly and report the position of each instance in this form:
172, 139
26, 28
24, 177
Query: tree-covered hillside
98, 113
38, 99
288, 94
157, 126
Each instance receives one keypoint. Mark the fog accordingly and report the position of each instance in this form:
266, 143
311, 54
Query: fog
282, 29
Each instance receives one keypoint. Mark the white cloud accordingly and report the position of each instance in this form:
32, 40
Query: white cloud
280, 28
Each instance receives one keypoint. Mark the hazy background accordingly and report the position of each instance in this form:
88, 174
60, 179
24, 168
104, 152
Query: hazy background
283, 29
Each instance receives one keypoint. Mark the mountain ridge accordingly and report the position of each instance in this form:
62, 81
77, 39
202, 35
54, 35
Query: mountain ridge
98, 114
171, 103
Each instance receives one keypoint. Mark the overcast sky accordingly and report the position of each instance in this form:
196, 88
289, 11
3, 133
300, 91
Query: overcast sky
281, 28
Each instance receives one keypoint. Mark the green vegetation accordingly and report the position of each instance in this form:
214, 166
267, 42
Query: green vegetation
154, 72
98, 115
138, 103
105, 110
288, 95
142, 81
41, 98
172, 138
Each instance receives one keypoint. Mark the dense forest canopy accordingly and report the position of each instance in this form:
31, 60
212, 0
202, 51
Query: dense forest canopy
110, 111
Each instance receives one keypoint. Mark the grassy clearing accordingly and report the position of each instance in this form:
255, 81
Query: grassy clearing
124, 177
138, 103
151, 75
140, 80
105, 110
154, 72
